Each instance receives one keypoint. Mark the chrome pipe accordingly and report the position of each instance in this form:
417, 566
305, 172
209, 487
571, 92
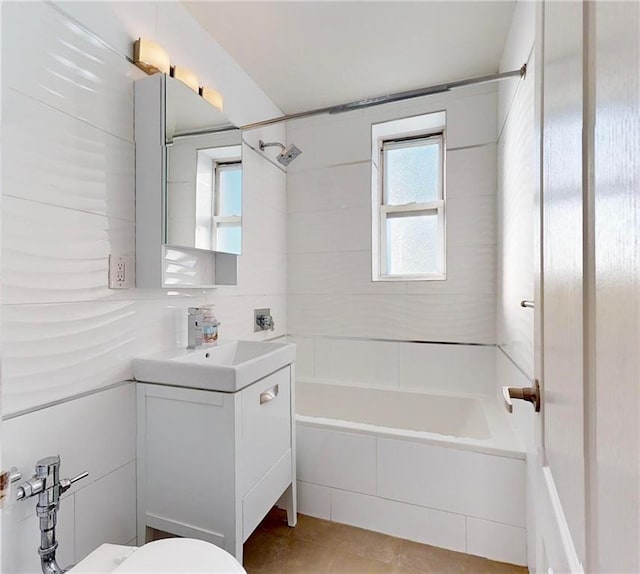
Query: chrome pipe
394, 97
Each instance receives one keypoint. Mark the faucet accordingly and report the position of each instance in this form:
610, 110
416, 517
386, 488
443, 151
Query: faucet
195, 334
48, 486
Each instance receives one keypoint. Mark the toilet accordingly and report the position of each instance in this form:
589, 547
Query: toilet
170, 556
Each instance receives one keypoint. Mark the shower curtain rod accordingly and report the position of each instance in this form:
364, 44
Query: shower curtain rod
396, 97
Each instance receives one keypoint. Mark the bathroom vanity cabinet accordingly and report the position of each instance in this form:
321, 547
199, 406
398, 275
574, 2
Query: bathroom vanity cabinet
212, 464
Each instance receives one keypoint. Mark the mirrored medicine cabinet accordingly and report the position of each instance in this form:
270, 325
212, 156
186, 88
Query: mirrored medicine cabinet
189, 178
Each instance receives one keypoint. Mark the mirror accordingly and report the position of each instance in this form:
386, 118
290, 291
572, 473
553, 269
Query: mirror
203, 192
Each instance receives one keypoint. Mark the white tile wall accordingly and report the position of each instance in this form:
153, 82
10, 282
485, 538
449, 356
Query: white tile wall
425, 367
407, 521
516, 228
458, 499
330, 292
94, 433
55, 351
497, 541
364, 362
515, 263
314, 500
305, 356
472, 120
68, 202
472, 171
467, 265
332, 230
338, 186
471, 220
470, 483
54, 254
463, 318
348, 460
337, 272
105, 511
67, 69
458, 368
58, 159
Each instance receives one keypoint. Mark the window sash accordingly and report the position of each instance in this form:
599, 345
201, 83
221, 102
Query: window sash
410, 142
218, 220
436, 207
431, 208
219, 168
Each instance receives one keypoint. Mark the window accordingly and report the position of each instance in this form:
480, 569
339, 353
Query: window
218, 199
227, 216
408, 200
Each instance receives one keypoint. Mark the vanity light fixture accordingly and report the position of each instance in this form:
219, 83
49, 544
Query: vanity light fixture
186, 76
213, 97
150, 57
153, 59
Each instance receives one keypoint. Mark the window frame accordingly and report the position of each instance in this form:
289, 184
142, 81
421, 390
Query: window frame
222, 220
384, 211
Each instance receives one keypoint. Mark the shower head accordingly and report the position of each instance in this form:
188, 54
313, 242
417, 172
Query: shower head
288, 153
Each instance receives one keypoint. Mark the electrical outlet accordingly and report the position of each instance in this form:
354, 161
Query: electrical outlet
119, 272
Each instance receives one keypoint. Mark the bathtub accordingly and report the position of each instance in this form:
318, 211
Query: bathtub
445, 470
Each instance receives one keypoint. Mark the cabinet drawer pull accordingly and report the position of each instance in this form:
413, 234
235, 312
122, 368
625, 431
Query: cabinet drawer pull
269, 394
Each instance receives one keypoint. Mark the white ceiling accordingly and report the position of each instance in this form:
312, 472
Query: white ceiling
307, 55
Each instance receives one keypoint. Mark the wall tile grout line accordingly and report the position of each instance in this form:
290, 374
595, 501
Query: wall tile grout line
69, 115
66, 400
74, 209
513, 361
374, 339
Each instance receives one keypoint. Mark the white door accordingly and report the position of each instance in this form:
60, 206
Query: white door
588, 288
559, 349
613, 402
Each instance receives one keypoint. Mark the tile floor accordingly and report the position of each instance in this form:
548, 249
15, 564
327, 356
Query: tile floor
317, 546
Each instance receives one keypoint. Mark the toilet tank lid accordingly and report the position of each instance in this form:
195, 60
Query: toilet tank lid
179, 555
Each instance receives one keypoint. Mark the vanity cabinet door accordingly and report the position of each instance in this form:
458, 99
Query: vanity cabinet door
266, 426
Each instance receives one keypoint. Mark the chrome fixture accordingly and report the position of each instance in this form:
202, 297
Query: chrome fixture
195, 333
270, 394
395, 97
263, 321
529, 394
48, 486
527, 304
14, 475
286, 156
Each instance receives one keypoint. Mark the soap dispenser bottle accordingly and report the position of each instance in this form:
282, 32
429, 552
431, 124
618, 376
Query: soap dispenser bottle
209, 325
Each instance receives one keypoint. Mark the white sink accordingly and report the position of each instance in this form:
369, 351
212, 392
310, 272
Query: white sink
226, 366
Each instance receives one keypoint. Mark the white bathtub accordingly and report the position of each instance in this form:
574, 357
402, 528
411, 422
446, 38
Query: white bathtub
445, 470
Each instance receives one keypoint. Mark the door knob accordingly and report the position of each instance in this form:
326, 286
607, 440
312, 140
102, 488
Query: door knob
530, 394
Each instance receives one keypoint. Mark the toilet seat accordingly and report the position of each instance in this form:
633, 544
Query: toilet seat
168, 556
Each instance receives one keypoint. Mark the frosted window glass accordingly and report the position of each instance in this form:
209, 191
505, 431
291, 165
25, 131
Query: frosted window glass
411, 173
230, 200
412, 244
229, 238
